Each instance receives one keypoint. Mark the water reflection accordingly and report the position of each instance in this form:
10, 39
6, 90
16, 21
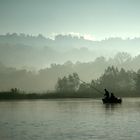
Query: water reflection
110, 109
75, 119
111, 106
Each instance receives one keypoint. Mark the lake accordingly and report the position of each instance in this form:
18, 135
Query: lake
69, 119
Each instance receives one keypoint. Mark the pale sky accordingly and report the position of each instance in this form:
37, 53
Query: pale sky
93, 18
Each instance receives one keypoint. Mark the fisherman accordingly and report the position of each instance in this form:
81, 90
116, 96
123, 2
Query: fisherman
112, 97
106, 94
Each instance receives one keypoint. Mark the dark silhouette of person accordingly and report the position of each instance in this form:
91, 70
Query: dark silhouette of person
112, 97
106, 94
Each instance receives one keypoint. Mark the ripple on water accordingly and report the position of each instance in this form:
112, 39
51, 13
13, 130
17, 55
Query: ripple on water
69, 120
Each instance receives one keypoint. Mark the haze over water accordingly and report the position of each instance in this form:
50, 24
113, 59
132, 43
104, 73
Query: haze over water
69, 119
51, 46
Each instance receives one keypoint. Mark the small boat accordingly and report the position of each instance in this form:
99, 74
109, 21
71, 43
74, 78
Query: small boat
110, 101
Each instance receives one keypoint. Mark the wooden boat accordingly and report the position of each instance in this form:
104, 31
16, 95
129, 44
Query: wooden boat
110, 101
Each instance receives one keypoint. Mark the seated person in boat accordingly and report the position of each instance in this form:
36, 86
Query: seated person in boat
112, 97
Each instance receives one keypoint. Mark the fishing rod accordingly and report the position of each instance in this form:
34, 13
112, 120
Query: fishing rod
92, 87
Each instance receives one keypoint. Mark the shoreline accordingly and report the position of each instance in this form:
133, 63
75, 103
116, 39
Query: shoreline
56, 95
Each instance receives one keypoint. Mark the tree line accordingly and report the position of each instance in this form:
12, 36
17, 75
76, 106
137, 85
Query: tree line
120, 81
46, 78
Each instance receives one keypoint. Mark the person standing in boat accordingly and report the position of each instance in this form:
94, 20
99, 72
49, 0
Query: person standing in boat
106, 94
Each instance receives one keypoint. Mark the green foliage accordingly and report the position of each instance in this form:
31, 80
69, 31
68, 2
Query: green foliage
68, 84
138, 81
121, 82
116, 80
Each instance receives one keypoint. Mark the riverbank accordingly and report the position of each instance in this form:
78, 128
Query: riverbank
54, 95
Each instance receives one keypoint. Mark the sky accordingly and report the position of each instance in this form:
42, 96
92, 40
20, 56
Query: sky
94, 19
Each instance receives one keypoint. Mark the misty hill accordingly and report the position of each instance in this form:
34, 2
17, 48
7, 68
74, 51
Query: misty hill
38, 51
46, 78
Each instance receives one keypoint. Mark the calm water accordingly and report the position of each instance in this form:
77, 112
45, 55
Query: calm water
69, 119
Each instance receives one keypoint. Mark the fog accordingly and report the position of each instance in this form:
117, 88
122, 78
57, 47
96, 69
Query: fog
36, 52
34, 63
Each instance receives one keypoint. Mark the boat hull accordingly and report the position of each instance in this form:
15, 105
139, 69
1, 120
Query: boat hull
115, 101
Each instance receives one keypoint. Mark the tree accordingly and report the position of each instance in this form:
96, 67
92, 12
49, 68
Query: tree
109, 78
84, 87
122, 57
138, 81
68, 84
